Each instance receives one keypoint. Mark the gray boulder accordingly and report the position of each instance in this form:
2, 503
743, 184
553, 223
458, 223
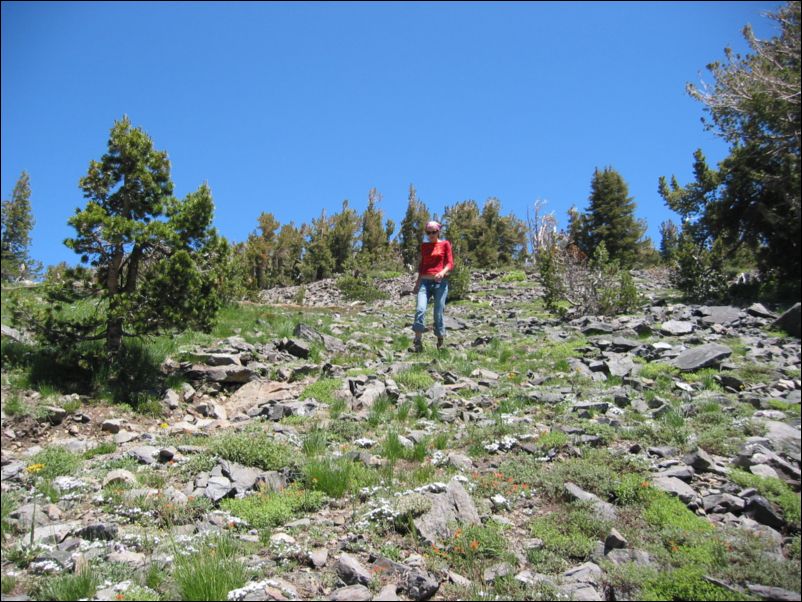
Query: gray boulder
351, 571
454, 506
703, 356
720, 314
603, 510
676, 328
790, 321
674, 486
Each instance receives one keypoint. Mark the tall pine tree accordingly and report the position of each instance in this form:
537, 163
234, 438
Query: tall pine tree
343, 236
159, 265
373, 237
412, 227
610, 219
318, 262
15, 237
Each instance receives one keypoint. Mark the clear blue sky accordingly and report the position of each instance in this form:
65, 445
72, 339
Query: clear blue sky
292, 107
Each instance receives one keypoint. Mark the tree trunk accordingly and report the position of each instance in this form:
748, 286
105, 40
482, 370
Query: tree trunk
114, 324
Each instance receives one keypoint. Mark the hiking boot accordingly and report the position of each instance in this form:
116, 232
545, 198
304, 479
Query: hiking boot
439, 342
417, 346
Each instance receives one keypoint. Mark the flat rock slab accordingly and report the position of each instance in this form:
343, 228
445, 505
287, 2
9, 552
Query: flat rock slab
258, 392
703, 356
721, 314
54, 534
676, 328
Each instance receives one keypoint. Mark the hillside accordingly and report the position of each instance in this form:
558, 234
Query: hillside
305, 452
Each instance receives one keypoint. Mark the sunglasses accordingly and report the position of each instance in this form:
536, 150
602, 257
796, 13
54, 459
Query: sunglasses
432, 231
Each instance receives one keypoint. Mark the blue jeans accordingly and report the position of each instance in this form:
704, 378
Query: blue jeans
438, 290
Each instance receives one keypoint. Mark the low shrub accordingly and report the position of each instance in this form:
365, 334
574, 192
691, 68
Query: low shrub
253, 449
266, 510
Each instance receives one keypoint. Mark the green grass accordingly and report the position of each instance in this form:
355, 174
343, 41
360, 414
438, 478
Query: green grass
323, 390
598, 471
379, 410
784, 406
514, 276
415, 379
164, 513
474, 547
253, 448
8, 502
315, 442
211, 572
266, 510
55, 461
337, 476
79, 586
706, 377
394, 450
551, 355
686, 583
105, 447
8, 583
13, 405
570, 533
552, 439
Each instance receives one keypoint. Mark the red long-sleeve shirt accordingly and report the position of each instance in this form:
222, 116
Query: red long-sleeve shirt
434, 257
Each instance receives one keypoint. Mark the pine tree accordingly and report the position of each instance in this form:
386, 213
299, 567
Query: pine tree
287, 259
462, 226
412, 228
318, 262
611, 219
669, 240
753, 198
15, 237
373, 238
488, 235
158, 263
260, 250
343, 237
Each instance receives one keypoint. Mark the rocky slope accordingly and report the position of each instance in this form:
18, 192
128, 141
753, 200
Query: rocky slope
531, 458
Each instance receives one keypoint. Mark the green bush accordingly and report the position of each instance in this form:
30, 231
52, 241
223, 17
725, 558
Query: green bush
615, 290
270, 509
459, 283
322, 390
253, 449
514, 276
570, 534
55, 462
774, 490
698, 272
360, 289
687, 583
550, 276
